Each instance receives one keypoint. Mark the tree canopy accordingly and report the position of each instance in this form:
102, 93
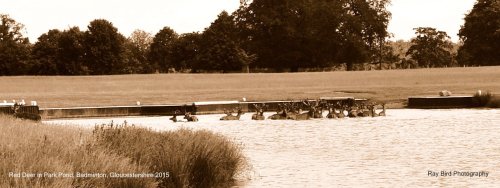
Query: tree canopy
277, 35
160, 53
14, 47
480, 35
302, 33
104, 48
431, 48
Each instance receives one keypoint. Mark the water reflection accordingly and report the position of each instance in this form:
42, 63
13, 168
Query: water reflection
396, 150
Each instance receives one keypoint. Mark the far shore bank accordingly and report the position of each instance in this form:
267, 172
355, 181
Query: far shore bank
392, 87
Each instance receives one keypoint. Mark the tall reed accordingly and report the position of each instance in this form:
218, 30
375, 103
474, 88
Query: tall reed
192, 158
187, 158
31, 147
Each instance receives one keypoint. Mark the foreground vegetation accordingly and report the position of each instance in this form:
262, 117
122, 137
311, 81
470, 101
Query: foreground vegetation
392, 86
188, 158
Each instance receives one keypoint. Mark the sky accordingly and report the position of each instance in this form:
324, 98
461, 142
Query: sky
186, 16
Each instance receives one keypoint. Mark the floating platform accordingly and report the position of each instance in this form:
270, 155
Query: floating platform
438, 102
111, 111
7, 109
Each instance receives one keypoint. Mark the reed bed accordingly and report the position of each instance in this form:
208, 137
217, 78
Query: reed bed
192, 158
187, 158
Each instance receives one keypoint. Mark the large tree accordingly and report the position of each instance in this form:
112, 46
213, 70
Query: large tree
104, 48
220, 48
14, 47
161, 49
303, 33
138, 45
44, 54
71, 53
431, 48
59, 53
185, 52
480, 35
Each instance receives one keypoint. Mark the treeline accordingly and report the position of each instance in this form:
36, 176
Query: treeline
279, 35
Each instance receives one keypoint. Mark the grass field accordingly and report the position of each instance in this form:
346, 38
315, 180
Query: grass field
392, 86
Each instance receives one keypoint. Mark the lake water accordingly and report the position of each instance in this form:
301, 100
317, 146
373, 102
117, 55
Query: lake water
398, 150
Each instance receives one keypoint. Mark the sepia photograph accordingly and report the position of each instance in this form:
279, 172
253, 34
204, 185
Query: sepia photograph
249, 93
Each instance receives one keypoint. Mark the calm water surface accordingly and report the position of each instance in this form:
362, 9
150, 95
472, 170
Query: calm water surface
393, 151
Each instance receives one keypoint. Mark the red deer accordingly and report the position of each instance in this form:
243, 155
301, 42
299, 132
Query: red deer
383, 111
372, 109
331, 112
280, 113
315, 110
352, 112
259, 112
341, 110
190, 117
174, 118
233, 117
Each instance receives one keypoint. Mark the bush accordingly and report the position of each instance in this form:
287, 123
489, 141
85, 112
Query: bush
192, 158
484, 99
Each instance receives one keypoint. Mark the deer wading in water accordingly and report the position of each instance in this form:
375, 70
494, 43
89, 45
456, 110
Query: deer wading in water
174, 118
259, 112
293, 111
373, 109
383, 110
315, 109
280, 113
230, 116
190, 117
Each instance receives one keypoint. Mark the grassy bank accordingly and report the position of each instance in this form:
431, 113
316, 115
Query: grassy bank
191, 159
387, 85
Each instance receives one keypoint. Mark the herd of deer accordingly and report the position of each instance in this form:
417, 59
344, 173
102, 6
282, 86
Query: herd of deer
303, 110
294, 111
187, 116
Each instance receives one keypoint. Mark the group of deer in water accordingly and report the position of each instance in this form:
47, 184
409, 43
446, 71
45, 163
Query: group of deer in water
294, 111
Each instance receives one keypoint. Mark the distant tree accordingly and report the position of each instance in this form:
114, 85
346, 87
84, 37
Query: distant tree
400, 47
44, 54
137, 50
389, 57
104, 48
71, 51
431, 48
14, 47
161, 49
300, 33
59, 53
480, 35
220, 48
185, 52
